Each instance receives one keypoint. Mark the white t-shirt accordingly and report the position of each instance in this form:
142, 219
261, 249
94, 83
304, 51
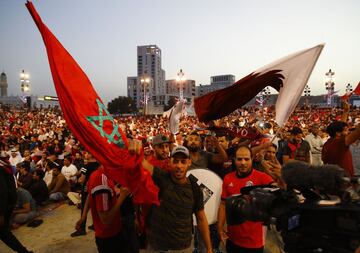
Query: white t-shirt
69, 172
48, 177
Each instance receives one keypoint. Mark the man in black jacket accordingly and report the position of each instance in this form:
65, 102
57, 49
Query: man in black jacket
38, 189
7, 204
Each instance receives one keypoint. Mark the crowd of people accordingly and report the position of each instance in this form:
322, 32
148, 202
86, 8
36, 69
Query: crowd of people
244, 148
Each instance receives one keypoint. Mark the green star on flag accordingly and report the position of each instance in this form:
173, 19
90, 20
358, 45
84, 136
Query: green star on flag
101, 118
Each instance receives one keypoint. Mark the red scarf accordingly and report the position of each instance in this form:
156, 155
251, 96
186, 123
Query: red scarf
293, 148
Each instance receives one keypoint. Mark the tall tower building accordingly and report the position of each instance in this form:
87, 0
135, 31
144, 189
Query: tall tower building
3, 85
149, 65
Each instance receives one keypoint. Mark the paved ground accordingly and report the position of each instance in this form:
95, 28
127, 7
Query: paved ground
53, 235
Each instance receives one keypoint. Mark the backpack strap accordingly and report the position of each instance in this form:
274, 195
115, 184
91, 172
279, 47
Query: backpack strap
195, 188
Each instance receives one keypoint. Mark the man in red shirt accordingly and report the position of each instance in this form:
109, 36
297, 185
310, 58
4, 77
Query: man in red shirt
249, 236
336, 149
105, 200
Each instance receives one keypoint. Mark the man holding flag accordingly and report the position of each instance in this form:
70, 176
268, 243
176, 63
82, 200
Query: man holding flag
90, 122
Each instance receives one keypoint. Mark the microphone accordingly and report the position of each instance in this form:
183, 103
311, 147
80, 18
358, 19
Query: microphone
328, 178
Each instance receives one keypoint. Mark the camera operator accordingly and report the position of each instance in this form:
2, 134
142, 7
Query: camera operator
249, 236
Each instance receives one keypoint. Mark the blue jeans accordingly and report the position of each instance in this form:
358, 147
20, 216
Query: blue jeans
57, 196
199, 244
21, 218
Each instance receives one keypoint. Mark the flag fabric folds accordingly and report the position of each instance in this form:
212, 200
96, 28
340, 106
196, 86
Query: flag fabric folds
220, 103
90, 122
357, 90
288, 75
175, 115
296, 69
347, 95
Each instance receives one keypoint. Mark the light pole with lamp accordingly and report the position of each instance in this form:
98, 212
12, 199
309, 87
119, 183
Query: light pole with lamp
144, 84
180, 79
266, 92
348, 88
265, 95
25, 82
25, 88
330, 86
307, 93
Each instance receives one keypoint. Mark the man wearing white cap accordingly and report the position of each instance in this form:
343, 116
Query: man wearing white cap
171, 223
15, 158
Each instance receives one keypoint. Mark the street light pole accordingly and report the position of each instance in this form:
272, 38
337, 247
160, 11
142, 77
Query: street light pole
264, 97
180, 79
307, 92
266, 92
25, 82
25, 88
330, 85
145, 82
348, 88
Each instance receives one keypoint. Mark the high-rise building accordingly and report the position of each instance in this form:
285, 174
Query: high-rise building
149, 84
151, 75
149, 66
3, 85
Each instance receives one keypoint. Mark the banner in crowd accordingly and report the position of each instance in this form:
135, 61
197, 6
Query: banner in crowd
90, 122
288, 76
249, 133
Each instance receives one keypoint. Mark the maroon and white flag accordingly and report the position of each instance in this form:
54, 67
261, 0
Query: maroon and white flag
296, 69
288, 75
175, 115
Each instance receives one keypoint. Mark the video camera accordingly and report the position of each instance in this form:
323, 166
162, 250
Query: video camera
306, 225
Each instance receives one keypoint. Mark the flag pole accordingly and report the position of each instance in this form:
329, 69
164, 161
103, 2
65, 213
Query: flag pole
276, 134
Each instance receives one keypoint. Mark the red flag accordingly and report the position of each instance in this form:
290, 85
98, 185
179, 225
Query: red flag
90, 122
357, 89
347, 95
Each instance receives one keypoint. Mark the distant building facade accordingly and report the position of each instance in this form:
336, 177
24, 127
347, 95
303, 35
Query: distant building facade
32, 101
3, 85
216, 83
172, 89
150, 82
150, 79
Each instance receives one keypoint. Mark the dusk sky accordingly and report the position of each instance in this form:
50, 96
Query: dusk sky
202, 37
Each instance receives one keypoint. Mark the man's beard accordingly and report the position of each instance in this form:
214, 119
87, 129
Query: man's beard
193, 148
296, 141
